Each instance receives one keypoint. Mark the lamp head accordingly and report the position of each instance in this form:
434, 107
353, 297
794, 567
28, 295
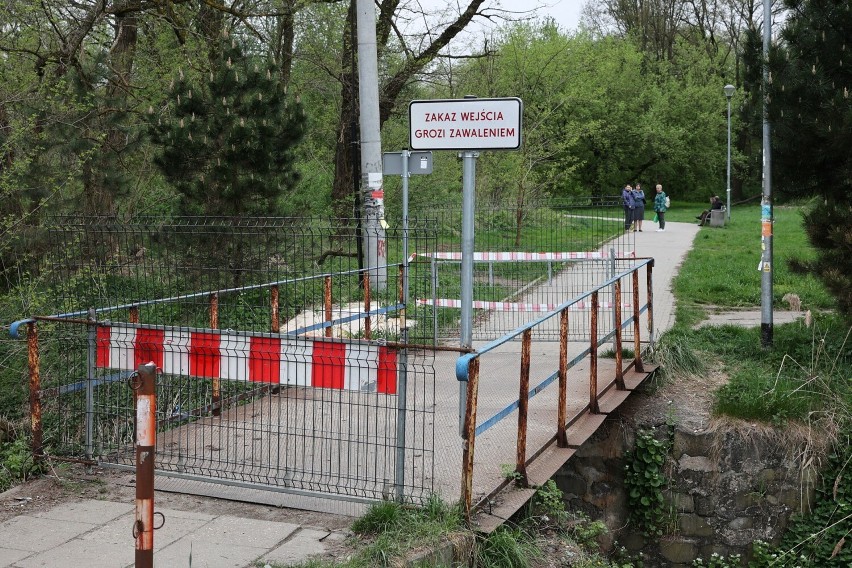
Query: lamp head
729, 90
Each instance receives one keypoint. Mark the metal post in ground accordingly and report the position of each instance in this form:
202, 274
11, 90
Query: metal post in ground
35, 390
91, 363
146, 441
402, 391
468, 216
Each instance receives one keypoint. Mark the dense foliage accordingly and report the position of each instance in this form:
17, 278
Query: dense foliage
811, 114
227, 144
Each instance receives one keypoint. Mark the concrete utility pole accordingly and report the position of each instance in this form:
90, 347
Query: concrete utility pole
372, 183
766, 202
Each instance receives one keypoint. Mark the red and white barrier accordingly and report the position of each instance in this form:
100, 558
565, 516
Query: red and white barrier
514, 306
286, 360
516, 256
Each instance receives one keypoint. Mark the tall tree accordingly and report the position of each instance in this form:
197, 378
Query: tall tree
811, 114
227, 143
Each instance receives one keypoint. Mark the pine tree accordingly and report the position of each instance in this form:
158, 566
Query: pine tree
227, 144
811, 116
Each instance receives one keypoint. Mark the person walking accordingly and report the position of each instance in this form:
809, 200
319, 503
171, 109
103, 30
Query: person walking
661, 205
639, 212
629, 203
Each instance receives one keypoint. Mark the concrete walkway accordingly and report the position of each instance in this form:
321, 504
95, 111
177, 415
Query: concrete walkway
95, 533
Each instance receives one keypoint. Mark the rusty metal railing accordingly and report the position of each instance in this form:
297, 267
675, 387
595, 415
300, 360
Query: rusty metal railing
602, 331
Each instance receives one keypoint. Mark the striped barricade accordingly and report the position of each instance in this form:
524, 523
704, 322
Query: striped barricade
263, 358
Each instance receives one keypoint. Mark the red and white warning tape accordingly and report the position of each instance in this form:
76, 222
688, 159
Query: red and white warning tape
509, 256
314, 362
514, 306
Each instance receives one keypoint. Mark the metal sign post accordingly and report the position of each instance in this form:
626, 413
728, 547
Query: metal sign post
399, 163
468, 125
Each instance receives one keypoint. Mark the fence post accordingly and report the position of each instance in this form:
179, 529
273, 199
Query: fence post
523, 409
402, 390
327, 302
275, 319
91, 365
33, 362
619, 362
469, 436
146, 442
368, 325
562, 411
216, 395
649, 269
637, 329
593, 357
434, 284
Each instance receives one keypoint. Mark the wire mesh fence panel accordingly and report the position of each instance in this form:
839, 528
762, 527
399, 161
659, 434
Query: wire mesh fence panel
528, 260
284, 362
281, 362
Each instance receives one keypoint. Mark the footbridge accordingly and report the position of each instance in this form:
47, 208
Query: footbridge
366, 395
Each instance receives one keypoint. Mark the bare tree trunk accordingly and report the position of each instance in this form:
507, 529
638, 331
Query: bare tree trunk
285, 40
345, 151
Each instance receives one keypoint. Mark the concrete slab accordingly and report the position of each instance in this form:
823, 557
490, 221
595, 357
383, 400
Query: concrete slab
89, 509
223, 554
302, 545
243, 532
35, 534
88, 553
9, 556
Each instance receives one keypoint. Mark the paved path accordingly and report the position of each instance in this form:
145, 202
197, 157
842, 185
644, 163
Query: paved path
94, 533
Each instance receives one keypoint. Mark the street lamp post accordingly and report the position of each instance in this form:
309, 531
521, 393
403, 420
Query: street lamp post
729, 92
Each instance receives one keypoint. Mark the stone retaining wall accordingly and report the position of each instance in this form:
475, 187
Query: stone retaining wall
728, 488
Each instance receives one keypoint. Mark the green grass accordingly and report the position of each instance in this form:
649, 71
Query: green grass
721, 269
388, 531
804, 375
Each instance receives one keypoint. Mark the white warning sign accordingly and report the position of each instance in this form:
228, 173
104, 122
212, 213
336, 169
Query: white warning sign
465, 124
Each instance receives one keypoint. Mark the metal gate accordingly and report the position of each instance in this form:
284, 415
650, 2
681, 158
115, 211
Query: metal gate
268, 377
280, 365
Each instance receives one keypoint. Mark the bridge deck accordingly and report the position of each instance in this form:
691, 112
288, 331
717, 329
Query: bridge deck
498, 387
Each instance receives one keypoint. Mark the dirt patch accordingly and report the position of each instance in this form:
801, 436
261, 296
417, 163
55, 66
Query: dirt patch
750, 318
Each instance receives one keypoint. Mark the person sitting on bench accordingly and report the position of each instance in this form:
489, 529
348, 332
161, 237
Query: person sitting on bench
715, 203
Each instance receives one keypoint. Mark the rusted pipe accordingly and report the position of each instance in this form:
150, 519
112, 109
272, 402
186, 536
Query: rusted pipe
593, 357
327, 298
216, 384
133, 314
275, 322
146, 441
637, 329
619, 363
562, 408
650, 284
368, 326
523, 410
469, 436
33, 362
